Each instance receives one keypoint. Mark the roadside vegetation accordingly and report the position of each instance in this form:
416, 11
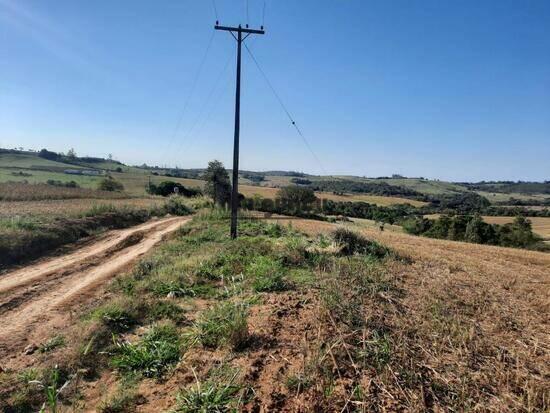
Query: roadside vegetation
24, 237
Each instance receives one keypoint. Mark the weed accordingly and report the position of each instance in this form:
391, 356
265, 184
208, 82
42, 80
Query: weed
117, 316
298, 382
52, 344
267, 274
376, 350
210, 396
156, 352
223, 324
165, 310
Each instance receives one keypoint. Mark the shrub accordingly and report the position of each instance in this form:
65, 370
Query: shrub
223, 324
110, 185
167, 188
176, 206
353, 243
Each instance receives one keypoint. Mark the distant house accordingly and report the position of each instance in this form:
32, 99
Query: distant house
91, 172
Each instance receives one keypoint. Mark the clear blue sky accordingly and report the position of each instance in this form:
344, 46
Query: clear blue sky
455, 90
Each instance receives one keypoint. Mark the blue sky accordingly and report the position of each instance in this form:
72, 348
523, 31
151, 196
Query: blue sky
456, 90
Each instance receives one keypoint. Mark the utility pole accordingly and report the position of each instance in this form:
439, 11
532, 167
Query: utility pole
235, 189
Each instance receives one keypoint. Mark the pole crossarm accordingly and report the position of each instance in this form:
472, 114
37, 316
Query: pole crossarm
239, 29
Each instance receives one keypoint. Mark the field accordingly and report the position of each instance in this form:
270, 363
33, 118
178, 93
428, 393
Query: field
290, 317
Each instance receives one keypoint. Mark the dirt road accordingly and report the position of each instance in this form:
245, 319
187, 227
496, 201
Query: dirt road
38, 299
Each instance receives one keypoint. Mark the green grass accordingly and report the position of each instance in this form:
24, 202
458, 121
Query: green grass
224, 324
155, 353
52, 344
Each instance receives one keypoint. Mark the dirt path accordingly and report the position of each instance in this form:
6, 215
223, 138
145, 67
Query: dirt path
38, 299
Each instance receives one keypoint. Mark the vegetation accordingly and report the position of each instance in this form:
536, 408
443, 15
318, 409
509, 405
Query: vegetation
167, 188
217, 186
110, 185
472, 228
24, 238
376, 188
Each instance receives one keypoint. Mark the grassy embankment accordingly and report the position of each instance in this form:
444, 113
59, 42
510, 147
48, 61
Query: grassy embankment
26, 235
282, 321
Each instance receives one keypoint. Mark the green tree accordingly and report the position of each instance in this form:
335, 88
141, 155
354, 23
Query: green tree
218, 186
71, 154
296, 198
109, 184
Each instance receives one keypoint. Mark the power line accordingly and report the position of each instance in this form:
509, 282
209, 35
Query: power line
203, 108
285, 109
192, 91
215, 9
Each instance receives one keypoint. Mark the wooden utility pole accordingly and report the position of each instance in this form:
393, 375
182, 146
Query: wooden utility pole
235, 189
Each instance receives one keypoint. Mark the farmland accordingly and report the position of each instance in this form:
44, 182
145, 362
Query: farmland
307, 322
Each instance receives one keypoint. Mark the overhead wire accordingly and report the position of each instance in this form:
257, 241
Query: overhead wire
191, 92
185, 139
215, 9
290, 117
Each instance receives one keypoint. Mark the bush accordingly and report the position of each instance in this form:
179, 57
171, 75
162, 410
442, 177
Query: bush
176, 206
353, 243
109, 184
296, 198
167, 188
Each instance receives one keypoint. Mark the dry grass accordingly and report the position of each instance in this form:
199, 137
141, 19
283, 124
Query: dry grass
69, 207
12, 191
271, 193
472, 318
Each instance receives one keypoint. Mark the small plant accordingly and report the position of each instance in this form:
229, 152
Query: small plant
153, 355
376, 350
51, 391
210, 396
165, 310
117, 317
52, 344
224, 324
298, 382
267, 274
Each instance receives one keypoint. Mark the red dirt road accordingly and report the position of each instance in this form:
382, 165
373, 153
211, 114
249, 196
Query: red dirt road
39, 298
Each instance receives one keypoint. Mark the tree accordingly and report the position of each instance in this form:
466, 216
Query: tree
297, 198
109, 184
218, 186
46, 154
167, 188
71, 154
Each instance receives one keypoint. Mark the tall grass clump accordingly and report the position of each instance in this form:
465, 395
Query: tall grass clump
153, 355
225, 324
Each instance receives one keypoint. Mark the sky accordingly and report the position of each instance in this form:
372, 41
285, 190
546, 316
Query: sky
453, 90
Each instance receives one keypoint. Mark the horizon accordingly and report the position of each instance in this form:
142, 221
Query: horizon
287, 171
454, 92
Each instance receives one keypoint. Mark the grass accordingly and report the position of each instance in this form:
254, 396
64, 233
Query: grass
151, 356
222, 325
360, 329
12, 191
211, 396
23, 238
